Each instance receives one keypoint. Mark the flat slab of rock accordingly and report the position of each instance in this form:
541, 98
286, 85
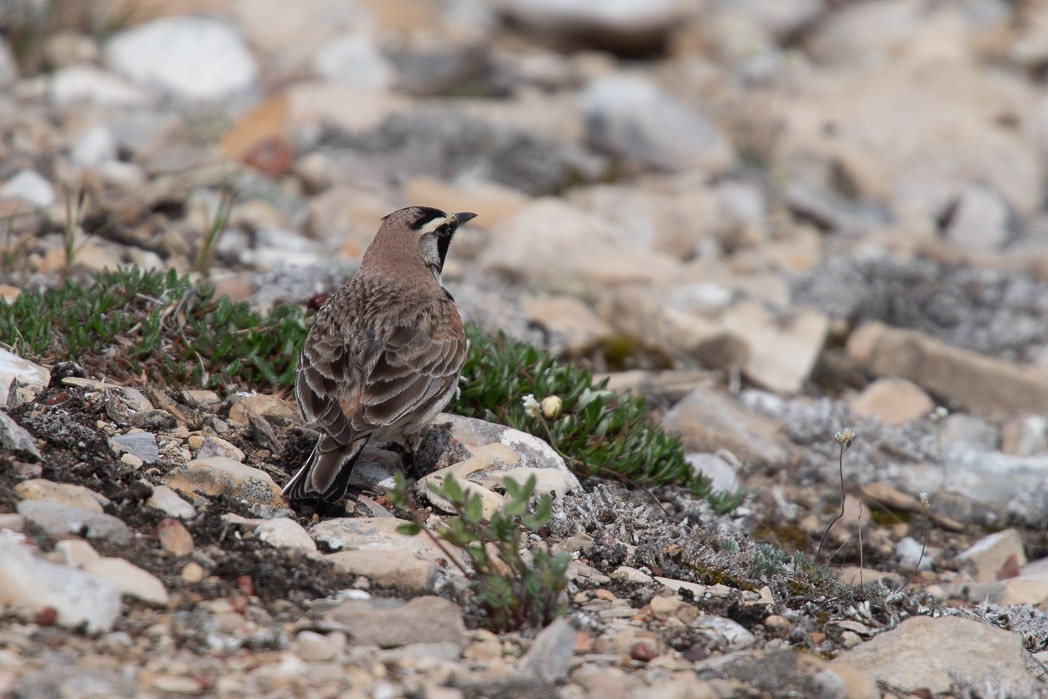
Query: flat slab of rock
708, 420
60, 520
983, 384
926, 652
390, 623
79, 598
64, 493
219, 475
132, 580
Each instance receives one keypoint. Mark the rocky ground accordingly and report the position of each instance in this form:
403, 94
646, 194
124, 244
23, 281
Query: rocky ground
777, 220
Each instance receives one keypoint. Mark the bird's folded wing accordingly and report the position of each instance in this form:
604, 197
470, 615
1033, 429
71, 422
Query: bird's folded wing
419, 363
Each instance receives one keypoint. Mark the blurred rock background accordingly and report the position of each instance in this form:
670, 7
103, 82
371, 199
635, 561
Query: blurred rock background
775, 218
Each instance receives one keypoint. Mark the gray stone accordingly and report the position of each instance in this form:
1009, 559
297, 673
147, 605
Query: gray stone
931, 653
286, 533
79, 83
550, 653
353, 59
59, 520
14, 438
132, 580
95, 146
721, 472
79, 598
631, 117
981, 219
141, 444
190, 58
31, 187
390, 623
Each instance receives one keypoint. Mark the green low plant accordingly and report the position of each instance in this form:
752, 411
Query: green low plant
597, 431
129, 322
516, 588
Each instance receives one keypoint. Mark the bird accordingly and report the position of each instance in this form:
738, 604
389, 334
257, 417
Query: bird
385, 352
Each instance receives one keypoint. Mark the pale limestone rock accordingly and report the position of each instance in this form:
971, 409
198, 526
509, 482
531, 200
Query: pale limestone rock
893, 401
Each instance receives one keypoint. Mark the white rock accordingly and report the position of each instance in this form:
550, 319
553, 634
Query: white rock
89, 84
170, 503
631, 575
94, 146
58, 520
981, 219
31, 187
722, 473
14, 368
550, 654
190, 58
285, 533
79, 598
355, 61
631, 117
131, 580
626, 24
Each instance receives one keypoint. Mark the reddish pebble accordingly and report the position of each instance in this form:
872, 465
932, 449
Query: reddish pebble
48, 616
246, 585
643, 652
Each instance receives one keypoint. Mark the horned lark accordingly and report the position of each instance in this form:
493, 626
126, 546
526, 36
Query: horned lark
384, 355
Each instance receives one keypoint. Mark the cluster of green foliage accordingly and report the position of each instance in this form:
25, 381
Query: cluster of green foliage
128, 323
598, 432
516, 588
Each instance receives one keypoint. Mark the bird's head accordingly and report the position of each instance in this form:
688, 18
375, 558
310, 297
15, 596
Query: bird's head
419, 230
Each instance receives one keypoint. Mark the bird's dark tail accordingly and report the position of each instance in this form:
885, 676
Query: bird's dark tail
325, 475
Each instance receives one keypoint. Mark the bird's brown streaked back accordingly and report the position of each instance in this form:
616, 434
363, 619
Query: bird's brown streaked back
384, 354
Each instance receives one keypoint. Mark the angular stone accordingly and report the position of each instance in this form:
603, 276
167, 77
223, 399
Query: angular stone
60, 520
633, 118
132, 580
14, 438
286, 533
994, 557
264, 405
174, 537
219, 475
79, 598
927, 652
141, 444
169, 502
390, 623
565, 249
782, 351
571, 320
550, 653
398, 569
64, 493
708, 420
893, 401
984, 385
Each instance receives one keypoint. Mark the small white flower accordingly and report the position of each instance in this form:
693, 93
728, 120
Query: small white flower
844, 438
924, 500
939, 414
531, 406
